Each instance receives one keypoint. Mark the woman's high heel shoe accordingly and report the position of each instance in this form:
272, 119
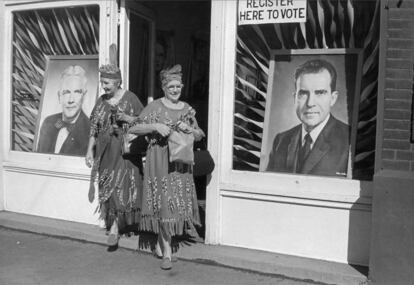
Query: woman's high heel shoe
166, 263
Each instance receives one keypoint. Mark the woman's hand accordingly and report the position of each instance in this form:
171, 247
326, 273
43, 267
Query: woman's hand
185, 128
131, 137
162, 129
122, 117
89, 158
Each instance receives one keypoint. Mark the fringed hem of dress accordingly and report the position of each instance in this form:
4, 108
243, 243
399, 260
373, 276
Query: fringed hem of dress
126, 218
173, 226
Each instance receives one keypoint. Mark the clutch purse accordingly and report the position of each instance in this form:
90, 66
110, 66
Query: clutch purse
203, 161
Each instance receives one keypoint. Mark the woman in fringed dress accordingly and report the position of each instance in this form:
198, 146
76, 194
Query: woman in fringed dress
169, 196
119, 176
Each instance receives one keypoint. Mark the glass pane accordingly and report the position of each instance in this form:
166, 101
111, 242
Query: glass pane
37, 36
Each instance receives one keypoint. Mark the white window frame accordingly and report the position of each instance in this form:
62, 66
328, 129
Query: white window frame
290, 188
37, 163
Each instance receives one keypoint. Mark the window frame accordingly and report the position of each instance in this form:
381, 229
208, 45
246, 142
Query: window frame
328, 191
38, 163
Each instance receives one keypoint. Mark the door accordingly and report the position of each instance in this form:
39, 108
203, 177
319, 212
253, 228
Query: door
136, 42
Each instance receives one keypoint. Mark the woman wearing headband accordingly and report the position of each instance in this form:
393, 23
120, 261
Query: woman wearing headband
118, 176
169, 197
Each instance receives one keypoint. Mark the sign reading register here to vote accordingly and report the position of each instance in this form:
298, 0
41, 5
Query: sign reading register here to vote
271, 11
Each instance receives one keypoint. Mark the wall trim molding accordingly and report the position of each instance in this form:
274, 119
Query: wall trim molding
362, 204
70, 174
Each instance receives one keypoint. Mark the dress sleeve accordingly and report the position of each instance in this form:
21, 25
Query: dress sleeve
149, 113
136, 105
192, 117
94, 119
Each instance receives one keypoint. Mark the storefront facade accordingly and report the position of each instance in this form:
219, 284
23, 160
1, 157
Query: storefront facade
324, 216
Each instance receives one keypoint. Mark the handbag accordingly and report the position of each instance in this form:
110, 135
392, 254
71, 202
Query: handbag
180, 146
203, 162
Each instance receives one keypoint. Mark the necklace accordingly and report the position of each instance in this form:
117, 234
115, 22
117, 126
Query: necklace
114, 100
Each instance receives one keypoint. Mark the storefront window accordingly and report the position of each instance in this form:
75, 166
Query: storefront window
276, 102
54, 70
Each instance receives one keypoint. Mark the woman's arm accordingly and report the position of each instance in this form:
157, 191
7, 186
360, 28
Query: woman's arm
144, 129
121, 116
198, 133
89, 152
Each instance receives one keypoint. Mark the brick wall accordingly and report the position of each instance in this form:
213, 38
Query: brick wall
397, 149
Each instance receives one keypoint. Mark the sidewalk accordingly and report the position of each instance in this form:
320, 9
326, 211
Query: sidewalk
252, 260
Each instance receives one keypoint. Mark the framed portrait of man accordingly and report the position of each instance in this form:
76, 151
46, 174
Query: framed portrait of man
70, 89
311, 112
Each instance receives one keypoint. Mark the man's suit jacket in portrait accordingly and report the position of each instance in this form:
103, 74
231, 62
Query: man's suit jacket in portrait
76, 142
329, 155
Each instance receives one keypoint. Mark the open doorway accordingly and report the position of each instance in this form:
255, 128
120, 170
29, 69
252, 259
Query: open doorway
164, 33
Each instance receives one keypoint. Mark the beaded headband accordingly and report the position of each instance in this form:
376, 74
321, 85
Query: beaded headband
111, 75
110, 71
169, 74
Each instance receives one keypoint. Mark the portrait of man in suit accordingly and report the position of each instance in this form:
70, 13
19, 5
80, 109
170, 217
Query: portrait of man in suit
67, 132
319, 145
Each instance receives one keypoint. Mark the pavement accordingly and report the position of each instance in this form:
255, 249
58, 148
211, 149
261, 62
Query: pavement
265, 267
41, 259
